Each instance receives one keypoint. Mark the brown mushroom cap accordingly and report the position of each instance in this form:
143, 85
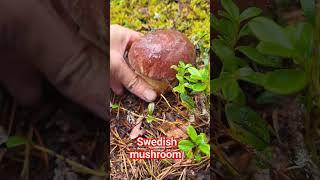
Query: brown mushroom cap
153, 55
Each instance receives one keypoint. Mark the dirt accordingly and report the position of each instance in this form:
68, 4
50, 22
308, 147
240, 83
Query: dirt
172, 124
58, 125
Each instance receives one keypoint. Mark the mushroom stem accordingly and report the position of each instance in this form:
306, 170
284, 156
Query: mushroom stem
160, 86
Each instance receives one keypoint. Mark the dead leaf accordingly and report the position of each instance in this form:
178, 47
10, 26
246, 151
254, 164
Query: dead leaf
137, 130
173, 130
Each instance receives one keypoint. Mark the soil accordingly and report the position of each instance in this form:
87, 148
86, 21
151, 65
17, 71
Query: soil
58, 125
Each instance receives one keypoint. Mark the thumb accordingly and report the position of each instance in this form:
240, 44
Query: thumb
132, 81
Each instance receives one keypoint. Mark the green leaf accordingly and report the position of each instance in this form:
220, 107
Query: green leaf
228, 85
225, 14
214, 22
250, 12
189, 154
301, 35
204, 73
180, 89
201, 139
267, 30
150, 119
14, 141
114, 106
247, 74
205, 148
198, 87
151, 108
215, 85
245, 31
197, 156
190, 79
261, 59
182, 64
272, 49
309, 9
195, 73
180, 78
247, 126
192, 133
231, 8
185, 145
227, 30
231, 90
225, 54
223, 26
187, 101
285, 81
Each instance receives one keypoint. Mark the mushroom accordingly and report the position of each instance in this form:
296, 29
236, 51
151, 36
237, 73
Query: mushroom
152, 56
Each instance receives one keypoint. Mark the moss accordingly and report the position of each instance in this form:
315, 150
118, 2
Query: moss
191, 17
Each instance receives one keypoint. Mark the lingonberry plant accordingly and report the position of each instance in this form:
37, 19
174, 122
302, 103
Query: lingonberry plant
261, 63
195, 145
191, 80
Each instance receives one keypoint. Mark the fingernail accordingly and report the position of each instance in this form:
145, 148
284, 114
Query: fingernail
149, 95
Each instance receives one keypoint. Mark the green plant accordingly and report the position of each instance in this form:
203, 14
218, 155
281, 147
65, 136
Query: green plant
276, 42
150, 116
14, 141
261, 63
114, 106
195, 145
191, 80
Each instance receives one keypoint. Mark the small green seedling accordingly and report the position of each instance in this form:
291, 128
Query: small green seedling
150, 117
114, 106
195, 145
191, 80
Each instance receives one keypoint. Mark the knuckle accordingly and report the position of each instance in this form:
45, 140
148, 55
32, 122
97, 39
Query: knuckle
134, 81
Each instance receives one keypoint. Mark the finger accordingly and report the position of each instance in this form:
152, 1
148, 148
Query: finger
116, 87
134, 83
132, 37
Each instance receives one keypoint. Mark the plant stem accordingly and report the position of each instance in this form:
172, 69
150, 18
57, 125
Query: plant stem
77, 166
224, 161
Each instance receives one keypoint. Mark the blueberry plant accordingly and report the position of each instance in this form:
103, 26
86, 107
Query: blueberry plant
261, 62
191, 80
196, 145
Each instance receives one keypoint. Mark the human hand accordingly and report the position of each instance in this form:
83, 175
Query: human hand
36, 43
120, 74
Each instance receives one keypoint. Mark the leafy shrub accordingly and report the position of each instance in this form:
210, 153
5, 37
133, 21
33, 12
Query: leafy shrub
258, 63
191, 79
197, 144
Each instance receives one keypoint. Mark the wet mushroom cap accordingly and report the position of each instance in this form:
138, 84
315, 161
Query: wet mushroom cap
153, 55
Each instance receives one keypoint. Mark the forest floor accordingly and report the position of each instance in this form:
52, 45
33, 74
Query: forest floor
57, 127
171, 118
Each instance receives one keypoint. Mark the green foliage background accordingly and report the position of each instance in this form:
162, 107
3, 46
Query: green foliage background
191, 17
